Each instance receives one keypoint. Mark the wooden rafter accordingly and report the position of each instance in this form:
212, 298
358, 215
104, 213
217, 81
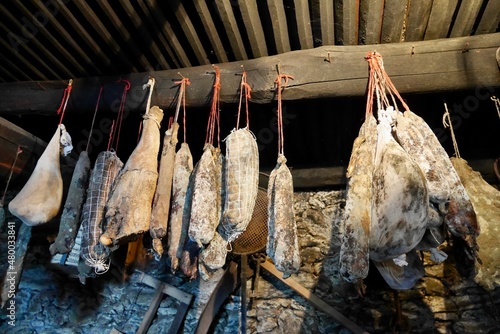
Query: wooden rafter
303, 24
253, 25
225, 10
440, 19
20, 57
189, 30
10, 64
414, 67
347, 18
93, 19
169, 33
490, 19
418, 17
393, 20
280, 29
370, 26
466, 17
209, 26
53, 41
327, 22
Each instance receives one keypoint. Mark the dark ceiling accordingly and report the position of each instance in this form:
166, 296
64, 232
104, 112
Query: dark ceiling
63, 39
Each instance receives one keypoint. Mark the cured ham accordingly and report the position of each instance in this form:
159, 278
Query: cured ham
40, 199
128, 210
161, 201
70, 218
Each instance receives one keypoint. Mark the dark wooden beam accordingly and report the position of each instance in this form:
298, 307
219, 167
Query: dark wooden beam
303, 24
278, 17
251, 20
327, 22
490, 19
393, 20
416, 67
440, 19
370, 25
347, 21
225, 9
418, 18
466, 17
213, 35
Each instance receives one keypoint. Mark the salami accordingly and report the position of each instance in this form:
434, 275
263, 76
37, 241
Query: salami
189, 259
40, 199
128, 210
282, 244
95, 255
70, 218
241, 174
354, 249
161, 201
212, 257
178, 227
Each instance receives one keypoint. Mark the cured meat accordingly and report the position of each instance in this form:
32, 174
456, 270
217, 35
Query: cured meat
410, 136
72, 211
459, 216
282, 243
189, 259
486, 202
178, 227
354, 250
161, 202
402, 277
40, 199
106, 168
399, 198
128, 210
205, 211
213, 257
241, 175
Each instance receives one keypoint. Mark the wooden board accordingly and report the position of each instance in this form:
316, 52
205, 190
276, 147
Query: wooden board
225, 9
416, 67
440, 19
370, 25
346, 13
250, 13
418, 18
393, 20
466, 17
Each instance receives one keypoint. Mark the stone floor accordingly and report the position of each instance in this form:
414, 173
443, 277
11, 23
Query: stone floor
49, 301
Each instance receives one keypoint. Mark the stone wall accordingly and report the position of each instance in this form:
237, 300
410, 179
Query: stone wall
49, 301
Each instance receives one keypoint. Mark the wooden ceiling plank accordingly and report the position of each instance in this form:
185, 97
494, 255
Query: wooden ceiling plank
466, 17
304, 29
490, 19
280, 29
209, 26
327, 22
393, 20
137, 22
3, 69
122, 30
23, 60
225, 10
53, 41
251, 19
189, 31
92, 44
93, 19
440, 19
66, 36
31, 53
169, 33
347, 18
370, 25
158, 33
418, 18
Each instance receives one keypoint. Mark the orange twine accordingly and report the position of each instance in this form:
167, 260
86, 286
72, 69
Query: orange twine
280, 88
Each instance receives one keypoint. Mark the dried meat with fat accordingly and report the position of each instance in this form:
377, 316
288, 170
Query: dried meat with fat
128, 210
161, 201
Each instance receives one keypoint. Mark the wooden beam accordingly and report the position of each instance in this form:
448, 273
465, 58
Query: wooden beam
418, 18
416, 67
347, 18
209, 26
189, 31
251, 19
370, 25
225, 9
23, 60
490, 19
440, 19
393, 20
93, 19
10, 64
303, 24
466, 17
280, 29
169, 33
327, 22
